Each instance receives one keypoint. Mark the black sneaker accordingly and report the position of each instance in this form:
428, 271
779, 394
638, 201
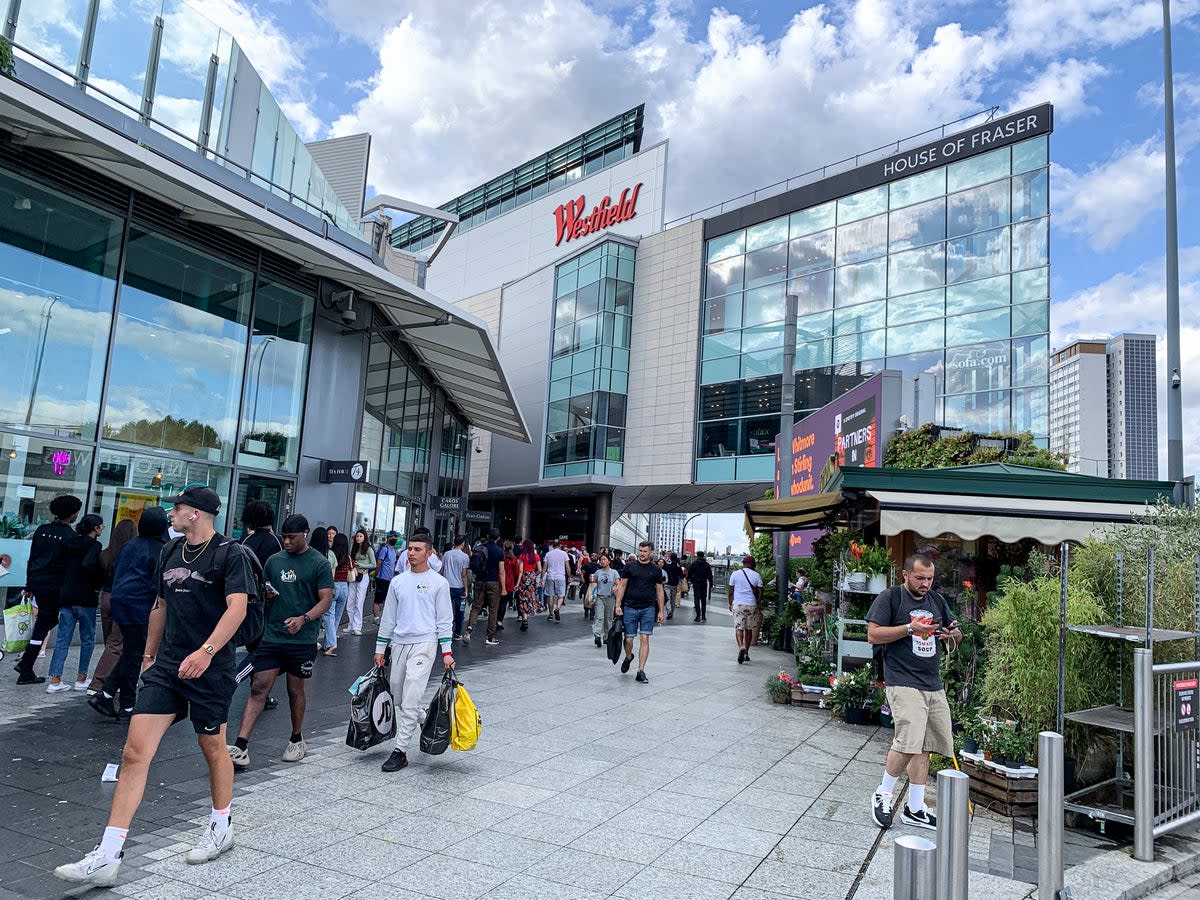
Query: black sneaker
30, 679
524, 626
881, 809
597, 642
394, 763
499, 627
641, 676
124, 715
626, 664
922, 818
557, 616
103, 705
741, 657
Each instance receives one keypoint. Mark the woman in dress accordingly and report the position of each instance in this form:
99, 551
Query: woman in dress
527, 587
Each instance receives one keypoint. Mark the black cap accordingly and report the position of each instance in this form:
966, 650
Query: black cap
202, 498
295, 524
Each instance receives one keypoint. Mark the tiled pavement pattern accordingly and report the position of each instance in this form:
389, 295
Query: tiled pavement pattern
585, 784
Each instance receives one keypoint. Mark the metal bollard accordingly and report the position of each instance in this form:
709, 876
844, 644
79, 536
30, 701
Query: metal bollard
953, 829
914, 868
1143, 752
1050, 816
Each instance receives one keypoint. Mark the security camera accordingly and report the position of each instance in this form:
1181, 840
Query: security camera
349, 317
1175, 380
478, 449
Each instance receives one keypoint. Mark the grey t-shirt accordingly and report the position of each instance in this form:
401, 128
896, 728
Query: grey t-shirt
606, 582
911, 661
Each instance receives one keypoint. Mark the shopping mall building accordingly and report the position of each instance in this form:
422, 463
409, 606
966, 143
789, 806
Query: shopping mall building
647, 357
186, 300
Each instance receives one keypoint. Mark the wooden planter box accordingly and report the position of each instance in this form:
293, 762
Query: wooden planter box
1000, 792
811, 699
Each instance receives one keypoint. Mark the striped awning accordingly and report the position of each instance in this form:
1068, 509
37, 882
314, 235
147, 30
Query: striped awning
791, 513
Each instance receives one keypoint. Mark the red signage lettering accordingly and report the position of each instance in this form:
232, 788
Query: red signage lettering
570, 221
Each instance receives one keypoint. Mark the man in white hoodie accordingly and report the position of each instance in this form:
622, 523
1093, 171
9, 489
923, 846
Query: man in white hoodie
417, 621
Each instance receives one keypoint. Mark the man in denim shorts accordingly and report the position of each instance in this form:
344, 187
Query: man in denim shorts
907, 621
641, 604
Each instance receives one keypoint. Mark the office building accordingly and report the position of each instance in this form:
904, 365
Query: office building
1132, 407
1079, 406
666, 530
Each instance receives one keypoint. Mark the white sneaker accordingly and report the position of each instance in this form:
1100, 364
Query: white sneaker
59, 688
295, 751
95, 868
240, 757
212, 844
81, 686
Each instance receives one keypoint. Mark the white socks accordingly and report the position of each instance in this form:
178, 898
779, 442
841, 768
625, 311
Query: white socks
219, 818
916, 797
889, 783
113, 842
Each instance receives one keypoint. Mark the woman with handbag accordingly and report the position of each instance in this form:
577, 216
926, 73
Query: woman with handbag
342, 568
363, 556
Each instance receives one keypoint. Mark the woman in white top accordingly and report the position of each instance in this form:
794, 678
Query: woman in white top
360, 580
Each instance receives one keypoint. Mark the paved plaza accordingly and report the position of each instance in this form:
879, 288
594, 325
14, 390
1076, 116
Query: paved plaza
585, 784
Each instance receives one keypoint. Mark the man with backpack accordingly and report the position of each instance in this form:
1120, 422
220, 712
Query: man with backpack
907, 621
299, 585
385, 570
204, 584
487, 565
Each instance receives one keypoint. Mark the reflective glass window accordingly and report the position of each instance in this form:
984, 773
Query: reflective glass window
587, 332
814, 388
979, 367
724, 369
849, 375
978, 209
911, 365
1031, 244
279, 347
719, 438
1030, 195
716, 471
916, 226
765, 362
916, 338
184, 315
587, 300
764, 305
986, 293
589, 271
723, 314
1030, 360
1030, 318
814, 327
564, 308
758, 435
863, 204
861, 240
977, 256
58, 264
977, 170
720, 401
726, 246
764, 337
761, 396
981, 326
863, 317
125, 483
916, 307
861, 282
916, 188
854, 347
726, 343
766, 265
1031, 410
984, 412
810, 253
1030, 154
1031, 284
767, 234
725, 276
917, 270
560, 388
564, 340
567, 280
814, 292
815, 218
813, 354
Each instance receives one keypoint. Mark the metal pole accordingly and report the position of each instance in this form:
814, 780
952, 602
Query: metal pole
150, 83
914, 868
84, 65
10, 21
1143, 754
787, 415
1062, 633
1050, 815
953, 829
206, 106
1174, 391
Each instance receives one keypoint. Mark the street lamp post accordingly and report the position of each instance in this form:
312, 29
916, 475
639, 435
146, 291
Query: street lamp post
686, 523
787, 414
262, 354
1174, 391
47, 313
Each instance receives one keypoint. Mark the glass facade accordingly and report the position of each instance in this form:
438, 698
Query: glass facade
943, 273
589, 369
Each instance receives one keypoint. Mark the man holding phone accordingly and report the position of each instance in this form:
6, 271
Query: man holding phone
299, 586
908, 621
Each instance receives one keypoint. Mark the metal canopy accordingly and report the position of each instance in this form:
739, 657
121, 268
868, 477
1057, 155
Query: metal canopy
792, 513
460, 356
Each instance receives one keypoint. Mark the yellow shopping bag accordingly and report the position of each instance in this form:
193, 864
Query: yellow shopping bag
465, 723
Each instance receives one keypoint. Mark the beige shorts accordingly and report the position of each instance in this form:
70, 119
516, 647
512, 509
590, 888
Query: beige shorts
922, 720
746, 617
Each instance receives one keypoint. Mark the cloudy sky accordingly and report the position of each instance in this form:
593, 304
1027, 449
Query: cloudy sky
750, 93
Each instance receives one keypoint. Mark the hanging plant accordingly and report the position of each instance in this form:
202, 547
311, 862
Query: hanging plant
8, 66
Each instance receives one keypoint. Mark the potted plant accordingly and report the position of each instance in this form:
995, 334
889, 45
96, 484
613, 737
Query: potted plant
876, 560
973, 733
991, 742
1015, 748
779, 690
850, 694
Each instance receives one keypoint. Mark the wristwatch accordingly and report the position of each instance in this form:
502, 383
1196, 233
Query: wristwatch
910, 629
304, 616
209, 649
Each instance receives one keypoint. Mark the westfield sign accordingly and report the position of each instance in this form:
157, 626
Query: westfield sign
571, 220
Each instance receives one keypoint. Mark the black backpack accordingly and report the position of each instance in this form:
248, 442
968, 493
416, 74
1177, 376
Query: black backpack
250, 632
479, 561
877, 650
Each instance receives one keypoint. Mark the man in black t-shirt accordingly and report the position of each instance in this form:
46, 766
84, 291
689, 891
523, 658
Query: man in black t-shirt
640, 603
700, 577
907, 621
488, 590
204, 583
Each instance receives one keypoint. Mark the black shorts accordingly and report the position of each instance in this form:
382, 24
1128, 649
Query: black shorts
292, 659
205, 700
381, 589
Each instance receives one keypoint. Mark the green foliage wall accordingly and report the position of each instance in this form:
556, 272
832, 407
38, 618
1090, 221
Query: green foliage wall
921, 448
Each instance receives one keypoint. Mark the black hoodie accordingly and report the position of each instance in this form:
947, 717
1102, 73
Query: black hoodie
134, 583
82, 575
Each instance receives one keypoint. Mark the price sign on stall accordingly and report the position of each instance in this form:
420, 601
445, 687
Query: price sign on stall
1185, 703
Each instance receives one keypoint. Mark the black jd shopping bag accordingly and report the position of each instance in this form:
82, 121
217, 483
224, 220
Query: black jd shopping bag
372, 712
435, 733
616, 639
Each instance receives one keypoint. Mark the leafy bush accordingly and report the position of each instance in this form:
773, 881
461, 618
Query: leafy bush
778, 689
924, 448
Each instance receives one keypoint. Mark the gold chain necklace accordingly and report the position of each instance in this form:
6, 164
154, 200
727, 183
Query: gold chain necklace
199, 553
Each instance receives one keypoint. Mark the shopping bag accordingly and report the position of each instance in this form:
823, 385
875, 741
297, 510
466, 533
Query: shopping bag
616, 639
435, 733
18, 624
465, 723
372, 712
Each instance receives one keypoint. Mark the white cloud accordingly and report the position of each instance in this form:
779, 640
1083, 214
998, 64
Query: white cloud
1064, 83
1110, 200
